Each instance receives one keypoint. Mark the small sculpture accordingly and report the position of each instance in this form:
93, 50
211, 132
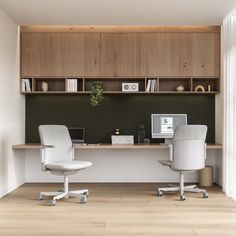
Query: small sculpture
180, 88
199, 88
44, 86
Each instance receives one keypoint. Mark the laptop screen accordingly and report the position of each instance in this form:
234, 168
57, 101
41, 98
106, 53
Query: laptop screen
77, 135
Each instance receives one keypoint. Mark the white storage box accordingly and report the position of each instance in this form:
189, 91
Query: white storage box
122, 139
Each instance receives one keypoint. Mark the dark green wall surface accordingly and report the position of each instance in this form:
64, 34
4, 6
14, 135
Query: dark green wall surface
124, 112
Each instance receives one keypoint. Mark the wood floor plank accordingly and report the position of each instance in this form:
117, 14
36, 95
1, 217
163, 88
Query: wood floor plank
117, 210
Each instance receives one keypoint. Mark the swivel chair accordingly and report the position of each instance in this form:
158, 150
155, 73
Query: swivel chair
57, 154
187, 154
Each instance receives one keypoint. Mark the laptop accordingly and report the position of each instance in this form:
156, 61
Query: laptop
77, 135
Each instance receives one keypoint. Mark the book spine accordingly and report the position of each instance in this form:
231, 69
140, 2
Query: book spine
23, 85
148, 86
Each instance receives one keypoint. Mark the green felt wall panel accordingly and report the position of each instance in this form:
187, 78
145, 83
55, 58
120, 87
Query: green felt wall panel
124, 112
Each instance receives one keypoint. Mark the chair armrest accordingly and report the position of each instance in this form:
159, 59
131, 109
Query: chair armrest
171, 151
73, 152
47, 146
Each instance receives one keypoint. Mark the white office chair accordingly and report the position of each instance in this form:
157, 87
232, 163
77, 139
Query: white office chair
187, 154
57, 154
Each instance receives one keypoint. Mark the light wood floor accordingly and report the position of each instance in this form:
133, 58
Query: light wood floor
117, 209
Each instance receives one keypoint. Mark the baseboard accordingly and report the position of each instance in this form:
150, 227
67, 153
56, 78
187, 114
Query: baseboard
108, 179
5, 190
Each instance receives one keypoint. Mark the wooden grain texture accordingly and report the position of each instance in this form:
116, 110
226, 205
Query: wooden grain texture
49, 55
159, 54
92, 54
206, 54
117, 209
110, 146
40, 55
186, 55
72, 54
120, 55
30, 58
117, 28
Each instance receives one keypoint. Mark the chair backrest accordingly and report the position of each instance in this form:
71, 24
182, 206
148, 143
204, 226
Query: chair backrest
58, 136
189, 148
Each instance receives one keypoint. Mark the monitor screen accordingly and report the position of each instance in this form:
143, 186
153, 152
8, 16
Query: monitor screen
77, 135
163, 125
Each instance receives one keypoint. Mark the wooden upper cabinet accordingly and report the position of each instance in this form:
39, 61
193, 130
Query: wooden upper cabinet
72, 54
186, 54
92, 55
120, 55
159, 54
40, 55
80, 54
200, 54
30, 58
206, 54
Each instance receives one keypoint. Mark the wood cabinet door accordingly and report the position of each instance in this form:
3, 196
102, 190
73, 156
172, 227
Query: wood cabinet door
30, 57
159, 54
186, 54
206, 54
120, 55
40, 55
72, 54
49, 54
92, 55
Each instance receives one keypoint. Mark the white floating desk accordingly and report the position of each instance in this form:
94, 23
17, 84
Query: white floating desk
117, 163
110, 146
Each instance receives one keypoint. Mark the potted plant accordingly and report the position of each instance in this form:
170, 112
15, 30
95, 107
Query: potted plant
96, 93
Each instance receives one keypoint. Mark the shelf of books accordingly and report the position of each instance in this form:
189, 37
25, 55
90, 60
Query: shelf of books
121, 85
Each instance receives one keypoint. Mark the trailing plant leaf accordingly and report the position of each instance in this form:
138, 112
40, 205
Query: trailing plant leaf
96, 93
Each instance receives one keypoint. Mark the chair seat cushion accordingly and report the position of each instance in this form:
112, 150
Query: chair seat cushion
165, 162
68, 166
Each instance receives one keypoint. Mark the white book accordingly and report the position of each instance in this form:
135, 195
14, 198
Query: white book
148, 85
23, 85
153, 85
67, 85
75, 85
27, 85
70, 85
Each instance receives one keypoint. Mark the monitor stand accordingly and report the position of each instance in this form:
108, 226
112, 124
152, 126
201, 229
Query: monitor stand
168, 140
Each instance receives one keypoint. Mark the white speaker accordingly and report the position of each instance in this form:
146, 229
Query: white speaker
130, 87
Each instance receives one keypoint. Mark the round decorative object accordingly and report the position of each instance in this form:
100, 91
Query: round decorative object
44, 86
180, 88
199, 88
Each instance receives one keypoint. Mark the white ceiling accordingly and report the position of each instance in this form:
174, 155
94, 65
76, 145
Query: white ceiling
118, 12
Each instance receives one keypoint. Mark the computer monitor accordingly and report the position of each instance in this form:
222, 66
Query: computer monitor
163, 125
77, 135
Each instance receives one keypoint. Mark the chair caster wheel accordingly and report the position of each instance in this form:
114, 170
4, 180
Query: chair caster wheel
40, 197
83, 199
60, 190
86, 194
51, 202
159, 193
182, 198
205, 195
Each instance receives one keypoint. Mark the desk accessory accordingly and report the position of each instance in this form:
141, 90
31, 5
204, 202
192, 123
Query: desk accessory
122, 139
130, 87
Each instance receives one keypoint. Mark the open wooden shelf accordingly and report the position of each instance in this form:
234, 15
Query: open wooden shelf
113, 85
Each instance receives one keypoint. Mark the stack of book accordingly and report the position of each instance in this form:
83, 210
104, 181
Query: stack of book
151, 85
25, 85
72, 85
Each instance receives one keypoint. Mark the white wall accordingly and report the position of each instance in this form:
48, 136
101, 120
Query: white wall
116, 166
12, 107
